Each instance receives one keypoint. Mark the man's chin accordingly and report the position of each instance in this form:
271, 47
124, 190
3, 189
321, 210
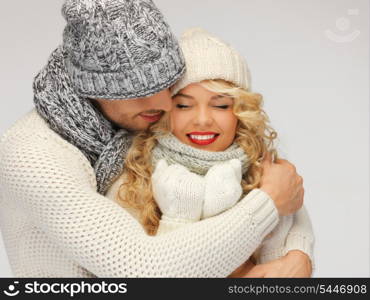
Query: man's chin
134, 128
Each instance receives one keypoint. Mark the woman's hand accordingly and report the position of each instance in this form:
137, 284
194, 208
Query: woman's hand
222, 187
244, 269
178, 192
295, 264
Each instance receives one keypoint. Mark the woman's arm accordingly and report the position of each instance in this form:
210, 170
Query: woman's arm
294, 259
300, 237
51, 181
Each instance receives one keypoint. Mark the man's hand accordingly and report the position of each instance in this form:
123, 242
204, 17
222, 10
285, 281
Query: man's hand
295, 264
282, 183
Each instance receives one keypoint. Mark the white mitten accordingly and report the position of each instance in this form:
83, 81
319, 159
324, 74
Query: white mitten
178, 192
223, 187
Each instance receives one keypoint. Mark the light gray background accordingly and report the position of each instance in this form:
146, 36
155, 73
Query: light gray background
315, 86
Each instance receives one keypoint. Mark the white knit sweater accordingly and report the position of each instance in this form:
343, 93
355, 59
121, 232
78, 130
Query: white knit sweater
55, 224
293, 232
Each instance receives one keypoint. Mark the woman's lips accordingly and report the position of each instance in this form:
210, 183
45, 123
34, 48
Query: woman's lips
205, 138
151, 118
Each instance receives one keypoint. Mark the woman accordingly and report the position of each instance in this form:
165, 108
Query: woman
217, 134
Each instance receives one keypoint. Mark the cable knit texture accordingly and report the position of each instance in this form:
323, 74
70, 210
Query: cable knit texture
119, 49
111, 49
56, 224
79, 122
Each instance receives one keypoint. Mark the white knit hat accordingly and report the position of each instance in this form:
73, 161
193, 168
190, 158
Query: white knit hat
207, 57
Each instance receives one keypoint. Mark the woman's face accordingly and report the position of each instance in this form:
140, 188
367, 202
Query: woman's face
203, 119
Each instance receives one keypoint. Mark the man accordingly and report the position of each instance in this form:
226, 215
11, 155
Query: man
109, 79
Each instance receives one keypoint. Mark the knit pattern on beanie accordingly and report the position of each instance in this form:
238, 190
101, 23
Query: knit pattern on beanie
208, 57
79, 122
119, 49
170, 148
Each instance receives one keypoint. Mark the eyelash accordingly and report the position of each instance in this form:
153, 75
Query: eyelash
182, 106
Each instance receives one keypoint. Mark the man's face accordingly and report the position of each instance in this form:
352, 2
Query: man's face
135, 114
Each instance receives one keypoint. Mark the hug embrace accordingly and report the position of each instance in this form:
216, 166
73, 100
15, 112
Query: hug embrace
148, 157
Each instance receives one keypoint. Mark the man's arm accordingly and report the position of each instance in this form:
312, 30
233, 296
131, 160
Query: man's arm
51, 181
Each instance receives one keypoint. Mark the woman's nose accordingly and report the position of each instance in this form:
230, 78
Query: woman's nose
203, 117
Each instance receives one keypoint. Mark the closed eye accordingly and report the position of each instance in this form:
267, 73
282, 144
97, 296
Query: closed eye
181, 106
223, 106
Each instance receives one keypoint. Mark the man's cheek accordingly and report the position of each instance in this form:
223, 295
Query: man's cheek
172, 123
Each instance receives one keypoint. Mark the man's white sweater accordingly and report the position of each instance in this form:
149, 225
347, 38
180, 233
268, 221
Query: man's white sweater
55, 224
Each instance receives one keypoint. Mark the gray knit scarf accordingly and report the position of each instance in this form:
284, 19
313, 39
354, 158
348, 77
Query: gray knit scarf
195, 160
77, 120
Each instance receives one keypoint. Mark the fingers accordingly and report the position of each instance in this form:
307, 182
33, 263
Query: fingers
299, 198
267, 161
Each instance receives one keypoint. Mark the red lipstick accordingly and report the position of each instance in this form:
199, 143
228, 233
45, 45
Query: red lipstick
202, 138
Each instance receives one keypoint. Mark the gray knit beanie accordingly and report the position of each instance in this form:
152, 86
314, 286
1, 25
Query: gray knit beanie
119, 49
113, 49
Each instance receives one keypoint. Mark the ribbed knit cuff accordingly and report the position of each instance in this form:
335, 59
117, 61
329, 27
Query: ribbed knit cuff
298, 241
269, 255
263, 211
272, 254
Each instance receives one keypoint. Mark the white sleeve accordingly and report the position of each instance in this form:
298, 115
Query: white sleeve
168, 224
50, 180
299, 237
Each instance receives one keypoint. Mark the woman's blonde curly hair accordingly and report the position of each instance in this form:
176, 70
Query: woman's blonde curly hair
253, 134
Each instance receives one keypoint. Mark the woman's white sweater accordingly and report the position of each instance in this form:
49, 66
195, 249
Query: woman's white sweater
55, 224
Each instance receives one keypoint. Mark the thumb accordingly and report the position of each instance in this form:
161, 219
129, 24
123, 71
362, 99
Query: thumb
237, 168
